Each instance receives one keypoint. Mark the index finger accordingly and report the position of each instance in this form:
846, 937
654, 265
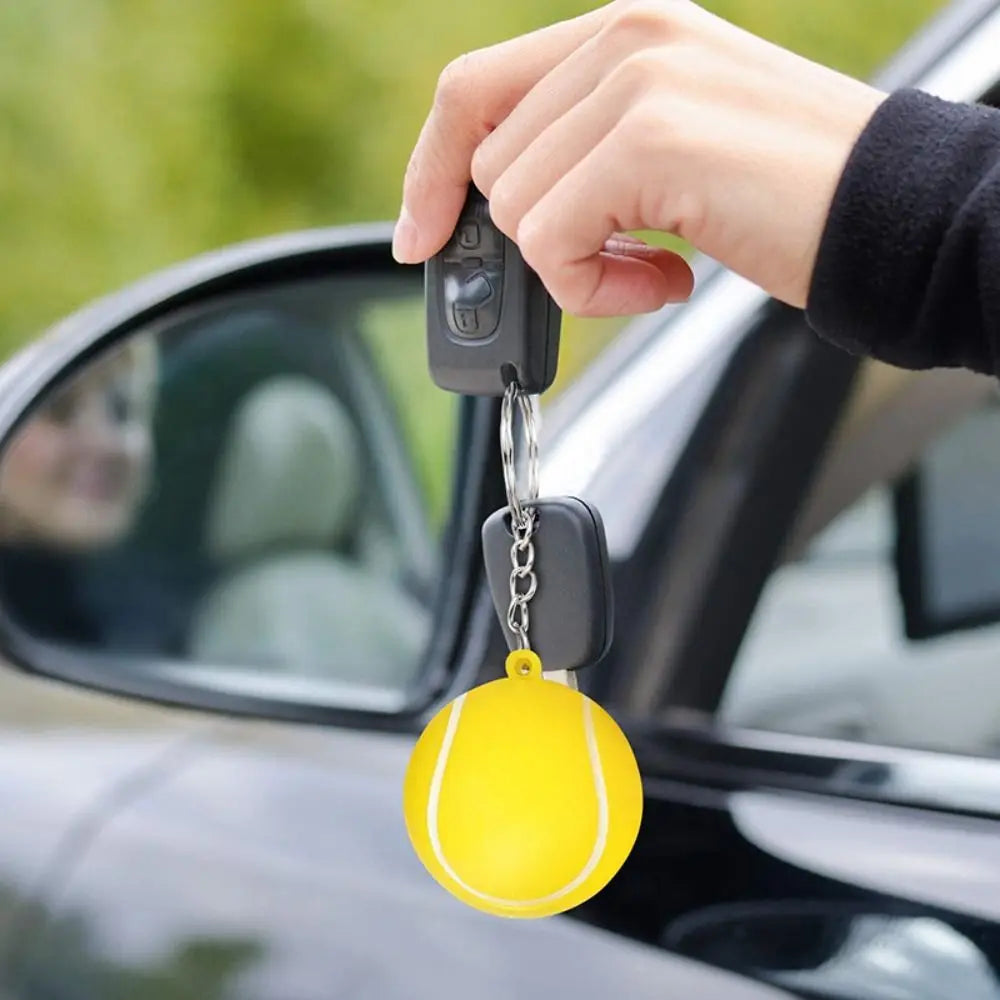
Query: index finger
475, 93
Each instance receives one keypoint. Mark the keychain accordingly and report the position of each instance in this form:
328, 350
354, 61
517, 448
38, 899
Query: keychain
522, 797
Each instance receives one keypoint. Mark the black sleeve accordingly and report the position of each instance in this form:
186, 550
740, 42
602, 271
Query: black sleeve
909, 263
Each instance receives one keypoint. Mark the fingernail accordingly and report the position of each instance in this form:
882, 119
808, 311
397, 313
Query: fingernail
404, 238
630, 249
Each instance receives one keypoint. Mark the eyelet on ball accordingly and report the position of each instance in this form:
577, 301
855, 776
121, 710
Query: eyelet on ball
523, 664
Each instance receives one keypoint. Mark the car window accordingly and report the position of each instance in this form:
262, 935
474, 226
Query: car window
395, 333
827, 653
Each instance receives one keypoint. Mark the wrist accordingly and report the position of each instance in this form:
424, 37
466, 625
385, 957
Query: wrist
890, 232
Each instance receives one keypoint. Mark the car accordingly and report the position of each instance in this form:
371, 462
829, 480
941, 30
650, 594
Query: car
240, 569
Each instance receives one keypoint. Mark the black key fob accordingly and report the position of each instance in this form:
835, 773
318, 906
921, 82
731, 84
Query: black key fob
571, 615
490, 320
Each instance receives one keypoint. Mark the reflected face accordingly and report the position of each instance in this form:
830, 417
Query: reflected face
76, 471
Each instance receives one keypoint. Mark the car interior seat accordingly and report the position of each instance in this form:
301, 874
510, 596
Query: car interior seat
209, 365
289, 484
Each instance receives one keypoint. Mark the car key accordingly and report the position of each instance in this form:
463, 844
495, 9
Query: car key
490, 320
571, 599
502, 780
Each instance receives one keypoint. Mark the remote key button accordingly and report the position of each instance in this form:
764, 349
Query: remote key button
469, 236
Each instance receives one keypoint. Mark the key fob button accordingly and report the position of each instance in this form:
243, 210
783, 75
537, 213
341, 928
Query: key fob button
466, 321
472, 304
469, 236
474, 292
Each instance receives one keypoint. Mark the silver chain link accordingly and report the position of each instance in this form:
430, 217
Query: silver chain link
523, 579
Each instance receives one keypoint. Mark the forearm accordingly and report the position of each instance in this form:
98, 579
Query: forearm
908, 269
659, 115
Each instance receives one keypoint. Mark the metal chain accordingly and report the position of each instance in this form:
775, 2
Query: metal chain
518, 615
523, 579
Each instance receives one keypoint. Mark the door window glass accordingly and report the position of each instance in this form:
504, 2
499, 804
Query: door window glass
827, 653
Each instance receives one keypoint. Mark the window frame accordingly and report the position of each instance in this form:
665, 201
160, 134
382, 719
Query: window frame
827, 396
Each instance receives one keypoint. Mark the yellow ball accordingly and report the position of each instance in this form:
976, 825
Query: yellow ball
523, 797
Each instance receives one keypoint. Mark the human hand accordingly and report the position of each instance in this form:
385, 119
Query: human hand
643, 114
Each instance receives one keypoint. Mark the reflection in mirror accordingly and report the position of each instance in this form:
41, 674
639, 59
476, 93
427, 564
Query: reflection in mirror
71, 483
248, 490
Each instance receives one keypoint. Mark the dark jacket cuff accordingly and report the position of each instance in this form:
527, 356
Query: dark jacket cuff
908, 269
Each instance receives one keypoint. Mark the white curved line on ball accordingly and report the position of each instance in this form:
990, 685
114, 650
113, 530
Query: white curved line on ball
600, 789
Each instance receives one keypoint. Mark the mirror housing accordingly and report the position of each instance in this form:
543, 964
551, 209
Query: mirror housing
360, 257
948, 531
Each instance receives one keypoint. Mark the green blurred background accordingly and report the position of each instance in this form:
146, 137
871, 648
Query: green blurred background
134, 133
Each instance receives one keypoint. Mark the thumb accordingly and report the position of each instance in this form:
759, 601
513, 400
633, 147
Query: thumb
475, 93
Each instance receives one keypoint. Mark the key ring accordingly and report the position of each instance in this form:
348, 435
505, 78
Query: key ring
513, 396
522, 552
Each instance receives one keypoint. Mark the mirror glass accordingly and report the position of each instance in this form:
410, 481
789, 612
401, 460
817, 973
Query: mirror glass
254, 488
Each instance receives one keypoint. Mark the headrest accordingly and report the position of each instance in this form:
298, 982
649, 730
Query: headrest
289, 472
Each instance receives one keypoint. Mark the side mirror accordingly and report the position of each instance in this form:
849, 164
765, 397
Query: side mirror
948, 531
234, 486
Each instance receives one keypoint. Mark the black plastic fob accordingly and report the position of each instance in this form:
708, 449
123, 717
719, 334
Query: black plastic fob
571, 615
490, 319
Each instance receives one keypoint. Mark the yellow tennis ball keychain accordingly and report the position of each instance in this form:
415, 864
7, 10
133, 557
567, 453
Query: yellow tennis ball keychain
523, 797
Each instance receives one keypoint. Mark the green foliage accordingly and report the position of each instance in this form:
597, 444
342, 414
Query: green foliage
137, 132
855, 36
58, 955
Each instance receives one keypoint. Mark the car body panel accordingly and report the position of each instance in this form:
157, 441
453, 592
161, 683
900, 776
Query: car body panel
240, 837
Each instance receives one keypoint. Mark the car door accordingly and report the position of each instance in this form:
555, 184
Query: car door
849, 845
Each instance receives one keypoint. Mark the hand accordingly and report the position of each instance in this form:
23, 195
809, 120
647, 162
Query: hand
638, 115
